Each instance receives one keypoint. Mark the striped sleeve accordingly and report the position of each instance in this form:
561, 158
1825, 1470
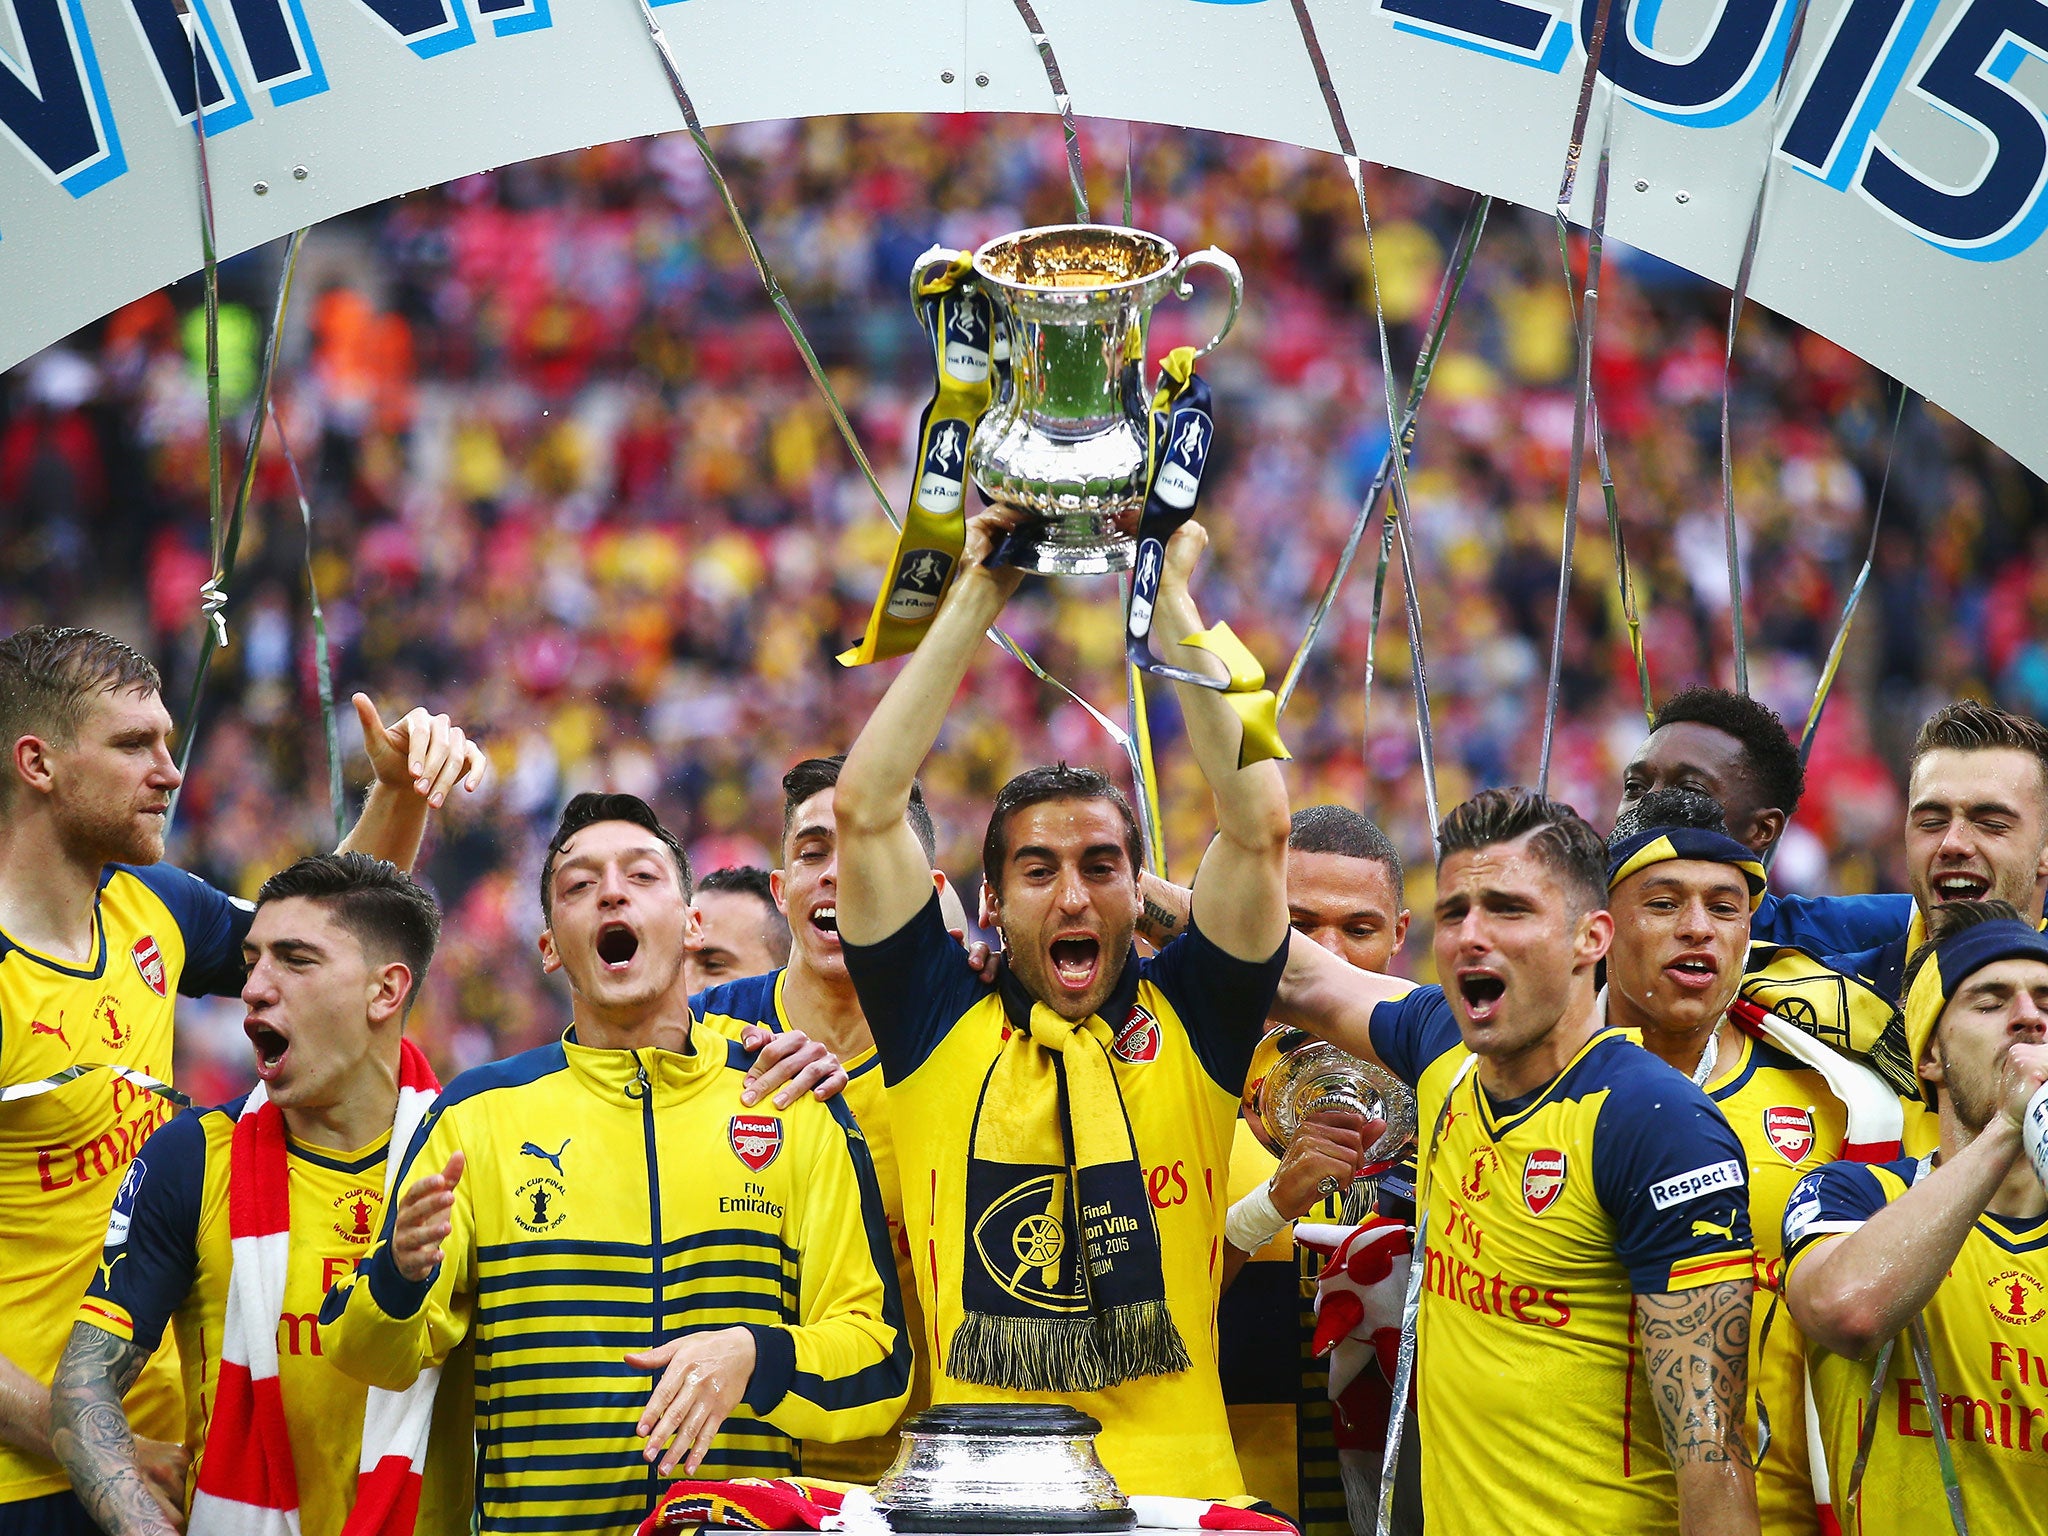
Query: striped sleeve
1833, 1201
1674, 1181
842, 1371
382, 1328
151, 1251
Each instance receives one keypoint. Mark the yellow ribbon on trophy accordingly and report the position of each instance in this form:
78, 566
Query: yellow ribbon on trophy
1257, 709
959, 321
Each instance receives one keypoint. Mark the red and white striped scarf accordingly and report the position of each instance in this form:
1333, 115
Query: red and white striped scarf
250, 1487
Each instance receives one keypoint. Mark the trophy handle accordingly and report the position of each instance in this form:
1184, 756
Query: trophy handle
1209, 256
945, 256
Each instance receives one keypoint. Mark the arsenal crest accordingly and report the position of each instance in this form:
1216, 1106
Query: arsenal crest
756, 1139
1790, 1130
149, 960
1542, 1180
1138, 1040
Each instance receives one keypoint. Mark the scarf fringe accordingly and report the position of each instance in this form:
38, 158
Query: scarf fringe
1067, 1354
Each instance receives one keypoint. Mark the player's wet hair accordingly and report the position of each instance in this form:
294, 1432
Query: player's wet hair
816, 774
383, 906
1349, 834
750, 880
1036, 786
48, 675
1968, 726
587, 810
1949, 919
1562, 839
1767, 748
1668, 808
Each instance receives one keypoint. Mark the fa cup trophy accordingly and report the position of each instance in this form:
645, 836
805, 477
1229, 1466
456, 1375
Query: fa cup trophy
1295, 1075
1060, 443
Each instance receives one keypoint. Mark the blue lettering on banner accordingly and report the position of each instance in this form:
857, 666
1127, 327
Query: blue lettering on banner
2000, 211
1835, 135
1500, 29
163, 33
1721, 80
280, 47
53, 100
430, 27
510, 16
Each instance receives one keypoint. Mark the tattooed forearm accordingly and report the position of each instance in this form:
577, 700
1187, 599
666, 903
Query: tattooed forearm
1696, 1355
90, 1436
1158, 924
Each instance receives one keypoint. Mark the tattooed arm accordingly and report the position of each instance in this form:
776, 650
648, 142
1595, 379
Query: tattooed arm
1695, 1348
1165, 910
131, 1487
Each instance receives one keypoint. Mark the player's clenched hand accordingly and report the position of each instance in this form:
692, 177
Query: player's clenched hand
423, 1220
791, 1061
1330, 1145
2026, 1068
703, 1377
985, 533
162, 1467
423, 752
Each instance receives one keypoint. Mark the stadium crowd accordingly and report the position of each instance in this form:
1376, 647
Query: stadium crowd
570, 489
568, 477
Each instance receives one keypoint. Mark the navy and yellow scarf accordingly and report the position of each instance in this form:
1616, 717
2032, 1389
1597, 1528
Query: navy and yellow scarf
1061, 1283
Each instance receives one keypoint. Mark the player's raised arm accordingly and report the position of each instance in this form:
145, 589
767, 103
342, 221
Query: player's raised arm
884, 878
1241, 888
1319, 992
1695, 1347
418, 763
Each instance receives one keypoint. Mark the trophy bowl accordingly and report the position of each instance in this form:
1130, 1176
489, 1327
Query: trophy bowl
1060, 445
1295, 1075
999, 1468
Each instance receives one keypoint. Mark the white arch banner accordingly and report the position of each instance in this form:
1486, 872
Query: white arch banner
1909, 184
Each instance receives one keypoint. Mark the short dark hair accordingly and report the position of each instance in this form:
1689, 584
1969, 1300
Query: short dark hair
1767, 747
1562, 839
1949, 919
383, 906
48, 673
1968, 726
751, 880
1669, 808
1350, 834
745, 879
816, 774
1036, 786
588, 809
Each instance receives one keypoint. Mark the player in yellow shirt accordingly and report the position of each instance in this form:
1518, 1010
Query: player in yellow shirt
1344, 892
1682, 892
97, 939
612, 1208
1955, 1244
1063, 1136
339, 946
813, 992
1585, 1270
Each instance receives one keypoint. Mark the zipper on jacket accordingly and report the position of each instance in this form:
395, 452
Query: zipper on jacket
646, 1098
